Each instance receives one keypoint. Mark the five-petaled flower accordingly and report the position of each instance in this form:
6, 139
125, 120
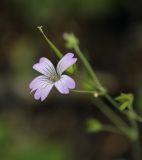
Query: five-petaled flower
50, 77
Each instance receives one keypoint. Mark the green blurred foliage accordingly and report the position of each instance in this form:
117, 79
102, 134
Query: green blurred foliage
94, 125
22, 57
38, 11
50, 151
5, 138
26, 148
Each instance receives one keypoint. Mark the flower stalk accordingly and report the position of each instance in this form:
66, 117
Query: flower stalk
55, 49
89, 69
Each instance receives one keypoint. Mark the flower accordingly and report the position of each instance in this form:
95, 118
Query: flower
50, 77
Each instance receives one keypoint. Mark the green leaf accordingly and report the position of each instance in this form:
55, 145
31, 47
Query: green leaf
125, 101
124, 105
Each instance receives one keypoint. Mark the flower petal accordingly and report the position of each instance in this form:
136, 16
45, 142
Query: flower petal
43, 92
37, 94
65, 63
64, 84
68, 81
61, 87
39, 82
42, 86
45, 67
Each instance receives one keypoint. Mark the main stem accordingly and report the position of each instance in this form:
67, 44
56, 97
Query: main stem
136, 148
135, 143
107, 111
111, 115
89, 69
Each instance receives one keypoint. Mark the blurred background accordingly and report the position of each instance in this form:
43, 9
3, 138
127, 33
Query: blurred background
110, 34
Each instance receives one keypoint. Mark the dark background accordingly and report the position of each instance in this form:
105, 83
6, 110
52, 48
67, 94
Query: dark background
110, 33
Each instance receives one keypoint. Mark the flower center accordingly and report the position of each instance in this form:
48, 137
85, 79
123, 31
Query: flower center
54, 78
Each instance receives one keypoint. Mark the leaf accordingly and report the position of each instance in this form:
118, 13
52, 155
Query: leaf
125, 100
124, 105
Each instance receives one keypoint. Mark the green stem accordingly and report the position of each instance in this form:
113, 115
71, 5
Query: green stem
110, 99
135, 131
136, 150
55, 49
106, 110
136, 146
89, 69
122, 125
134, 135
137, 117
83, 91
135, 140
109, 128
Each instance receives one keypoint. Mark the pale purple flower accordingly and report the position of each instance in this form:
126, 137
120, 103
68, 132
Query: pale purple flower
50, 77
